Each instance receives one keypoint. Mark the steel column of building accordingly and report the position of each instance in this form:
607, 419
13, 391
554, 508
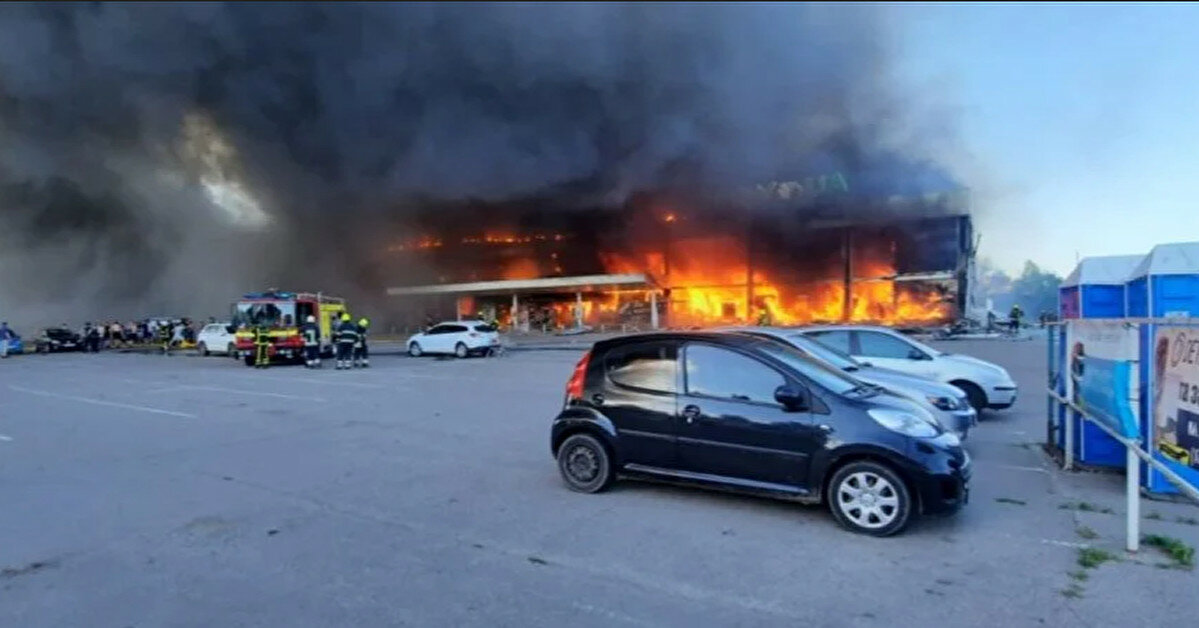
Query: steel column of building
579, 310
653, 309
516, 309
847, 255
749, 272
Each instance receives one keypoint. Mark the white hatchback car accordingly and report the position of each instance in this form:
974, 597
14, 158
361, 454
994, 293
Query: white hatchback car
458, 338
986, 385
215, 338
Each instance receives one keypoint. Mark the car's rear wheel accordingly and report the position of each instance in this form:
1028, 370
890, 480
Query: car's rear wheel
976, 396
585, 464
460, 350
869, 498
414, 350
231, 350
203, 349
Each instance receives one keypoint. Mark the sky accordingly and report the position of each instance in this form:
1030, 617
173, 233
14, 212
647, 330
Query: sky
1081, 122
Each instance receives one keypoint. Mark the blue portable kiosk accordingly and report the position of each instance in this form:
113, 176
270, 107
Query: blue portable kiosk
1164, 285
1095, 289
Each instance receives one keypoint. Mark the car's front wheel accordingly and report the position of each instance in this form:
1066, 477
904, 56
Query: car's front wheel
869, 498
231, 350
585, 464
414, 350
976, 396
203, 349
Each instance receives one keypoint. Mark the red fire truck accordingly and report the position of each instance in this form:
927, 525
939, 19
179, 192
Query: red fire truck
283, 313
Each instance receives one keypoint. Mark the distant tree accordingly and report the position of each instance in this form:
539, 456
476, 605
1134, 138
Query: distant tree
1036, 290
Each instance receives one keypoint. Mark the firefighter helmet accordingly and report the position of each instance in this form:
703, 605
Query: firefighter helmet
345, 316
310, 319
363, 322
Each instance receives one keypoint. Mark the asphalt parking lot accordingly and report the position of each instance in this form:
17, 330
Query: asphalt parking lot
142, 490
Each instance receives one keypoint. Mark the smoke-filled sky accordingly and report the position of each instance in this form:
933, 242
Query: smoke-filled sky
162, 158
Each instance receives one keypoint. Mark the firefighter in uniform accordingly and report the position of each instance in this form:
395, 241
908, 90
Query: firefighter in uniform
360, 354
1014, 317
262, 345
347, 337
312, 343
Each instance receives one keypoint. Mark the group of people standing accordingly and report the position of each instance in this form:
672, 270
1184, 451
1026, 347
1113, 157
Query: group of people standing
348, 338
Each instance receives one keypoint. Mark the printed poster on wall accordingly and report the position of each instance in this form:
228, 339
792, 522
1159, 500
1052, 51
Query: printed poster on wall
1176, 400
1101, 374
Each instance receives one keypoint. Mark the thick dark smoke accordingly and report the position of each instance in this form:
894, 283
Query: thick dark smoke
335, 116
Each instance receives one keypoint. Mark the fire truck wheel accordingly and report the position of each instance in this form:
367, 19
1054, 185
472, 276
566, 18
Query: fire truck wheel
460, 350
414, 350
202, 349
249, 359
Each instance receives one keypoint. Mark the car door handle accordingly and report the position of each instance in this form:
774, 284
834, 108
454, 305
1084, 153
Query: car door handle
690, 413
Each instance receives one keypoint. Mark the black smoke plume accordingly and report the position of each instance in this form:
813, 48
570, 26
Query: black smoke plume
162, 158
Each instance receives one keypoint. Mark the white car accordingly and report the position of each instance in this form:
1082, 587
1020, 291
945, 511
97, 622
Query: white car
215, 338
459, 338
948, 403
986, 385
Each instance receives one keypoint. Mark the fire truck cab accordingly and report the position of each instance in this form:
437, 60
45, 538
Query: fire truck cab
283, 313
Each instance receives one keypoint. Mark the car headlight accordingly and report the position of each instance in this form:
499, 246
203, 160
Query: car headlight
948, 404
903, 422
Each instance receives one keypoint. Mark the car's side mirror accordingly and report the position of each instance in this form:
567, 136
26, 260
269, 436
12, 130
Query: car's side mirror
793, 398
916, 354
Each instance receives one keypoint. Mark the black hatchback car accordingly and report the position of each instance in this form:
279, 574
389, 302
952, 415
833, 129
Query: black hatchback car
736, 412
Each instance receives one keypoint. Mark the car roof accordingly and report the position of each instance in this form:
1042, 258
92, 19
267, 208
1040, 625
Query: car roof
845, 328
472, 321
716, 337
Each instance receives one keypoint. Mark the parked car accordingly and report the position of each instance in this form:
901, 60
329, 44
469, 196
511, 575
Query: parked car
754, 415
58, 339
459, 338
216, 338
986, 385
948, 403
16, 346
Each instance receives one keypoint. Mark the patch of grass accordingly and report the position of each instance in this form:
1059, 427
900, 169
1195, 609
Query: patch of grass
1155, 515
1086, 507
1080, 575
1182, 554
1073, 591
1191, 521
1086, 532
1092, 557
1009, 500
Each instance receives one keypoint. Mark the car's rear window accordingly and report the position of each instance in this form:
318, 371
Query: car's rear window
487, 329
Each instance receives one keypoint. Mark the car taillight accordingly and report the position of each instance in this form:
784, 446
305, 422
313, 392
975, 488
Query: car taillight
574, 388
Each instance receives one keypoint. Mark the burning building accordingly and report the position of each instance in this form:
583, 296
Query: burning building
660, 261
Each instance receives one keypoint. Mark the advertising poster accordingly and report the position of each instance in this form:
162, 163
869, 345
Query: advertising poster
1101, 372
1176, 400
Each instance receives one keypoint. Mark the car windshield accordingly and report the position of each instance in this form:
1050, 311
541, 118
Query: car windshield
265, 312
823, 375
828, 354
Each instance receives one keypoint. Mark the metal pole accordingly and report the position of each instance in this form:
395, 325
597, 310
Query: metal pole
515, 312
579, 310
653, 309
1133, 494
